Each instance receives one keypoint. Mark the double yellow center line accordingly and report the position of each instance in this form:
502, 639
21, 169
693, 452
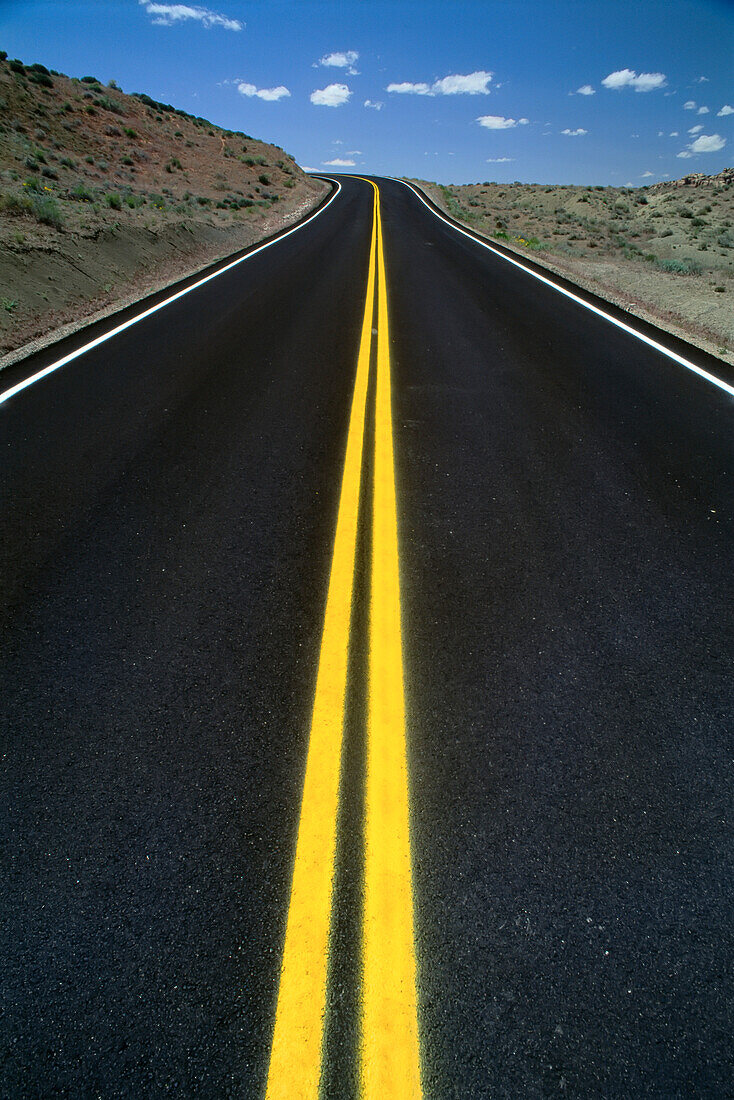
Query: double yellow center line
389, 1061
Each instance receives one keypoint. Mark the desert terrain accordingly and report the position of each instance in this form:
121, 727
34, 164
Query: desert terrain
105, 197
664, 252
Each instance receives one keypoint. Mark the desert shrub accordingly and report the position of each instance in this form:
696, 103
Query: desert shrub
46, 211
666, 232
41, 78
108, 104
203, 200
3, 55
67, 162
265, 180
31, 164
49, 173
134, 201
113, 200
725, 240
685, 213
129, 132
289, 183
90, 109
32, 184
685, 266
14, 204
17, 66
81, 193
90, 80
127, 160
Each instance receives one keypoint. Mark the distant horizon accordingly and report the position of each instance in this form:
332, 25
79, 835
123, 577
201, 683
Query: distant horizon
513, 91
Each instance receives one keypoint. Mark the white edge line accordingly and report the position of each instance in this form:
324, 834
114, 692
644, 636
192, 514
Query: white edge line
161, 305
575, 298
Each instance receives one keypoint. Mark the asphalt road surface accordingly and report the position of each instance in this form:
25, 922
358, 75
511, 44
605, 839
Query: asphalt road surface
367, 694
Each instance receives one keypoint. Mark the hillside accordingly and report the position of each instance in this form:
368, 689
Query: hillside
664, 252
105, 196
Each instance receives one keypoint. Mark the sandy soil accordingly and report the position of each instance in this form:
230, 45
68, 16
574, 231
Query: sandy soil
665, 253
105, 197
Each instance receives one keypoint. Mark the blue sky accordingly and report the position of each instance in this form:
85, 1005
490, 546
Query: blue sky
548, 91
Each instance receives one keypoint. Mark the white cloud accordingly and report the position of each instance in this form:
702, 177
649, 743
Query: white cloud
499, 160
470, 84
354, 153
455, 84
684, 155
689, 105
269, 94
167, 15
306, 168
574, 133
339, 162
628, 78
725, 110
646, 175
498, 122
702, 80
695, 129
343, 59
333, 95
585, 89
674, 133
702, 111
375, 106
406, 88
708, 143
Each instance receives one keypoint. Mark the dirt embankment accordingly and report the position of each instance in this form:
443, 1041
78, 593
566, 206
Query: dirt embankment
105, 197
665, 253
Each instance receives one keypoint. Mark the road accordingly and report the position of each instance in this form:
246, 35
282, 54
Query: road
367, 696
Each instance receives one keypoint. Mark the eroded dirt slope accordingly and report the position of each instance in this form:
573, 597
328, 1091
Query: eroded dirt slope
105, 196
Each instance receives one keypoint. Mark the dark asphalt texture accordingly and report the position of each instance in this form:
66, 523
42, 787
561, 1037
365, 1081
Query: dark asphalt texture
565, 513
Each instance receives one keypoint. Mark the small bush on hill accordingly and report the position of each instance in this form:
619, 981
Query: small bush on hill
46, 211
685, 266
81, 193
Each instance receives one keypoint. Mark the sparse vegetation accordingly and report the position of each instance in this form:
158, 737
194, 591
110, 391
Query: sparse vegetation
88, 161
635, 245
46, 211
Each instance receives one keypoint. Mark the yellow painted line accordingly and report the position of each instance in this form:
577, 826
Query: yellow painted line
390, 1064
295, 1060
